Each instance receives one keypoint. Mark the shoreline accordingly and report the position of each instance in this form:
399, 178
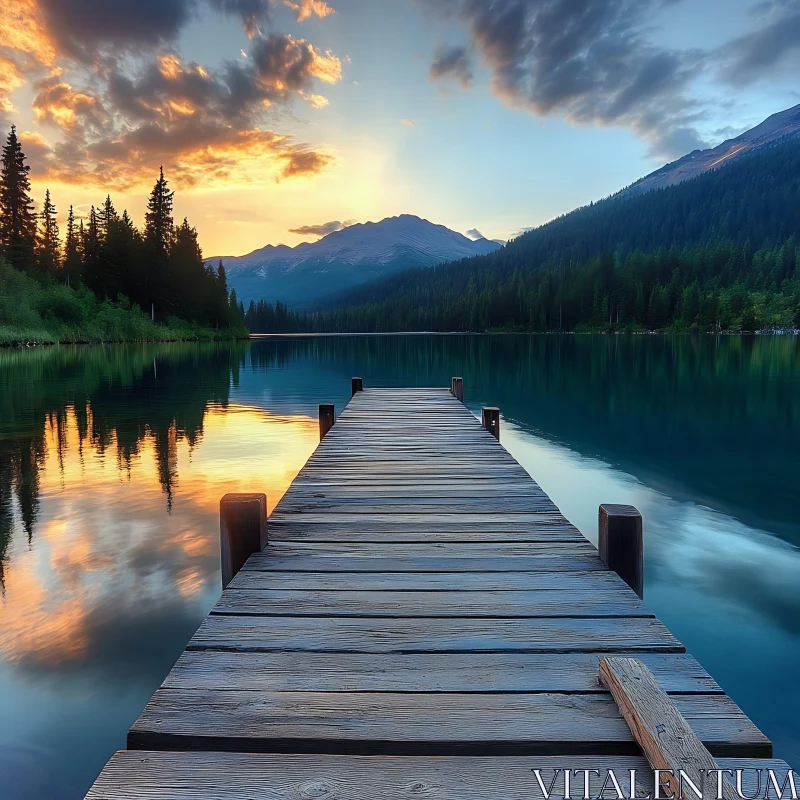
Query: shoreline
786, 332
32, 343
56, 343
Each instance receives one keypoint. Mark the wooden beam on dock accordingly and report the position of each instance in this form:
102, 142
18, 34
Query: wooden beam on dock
666, 738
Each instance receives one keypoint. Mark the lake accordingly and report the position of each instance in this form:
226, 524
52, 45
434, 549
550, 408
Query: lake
113, 460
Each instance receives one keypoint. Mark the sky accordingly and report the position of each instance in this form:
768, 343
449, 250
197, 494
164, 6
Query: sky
277, 121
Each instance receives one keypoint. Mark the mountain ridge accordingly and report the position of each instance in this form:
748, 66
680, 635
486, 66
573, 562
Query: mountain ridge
303, 275
775, 128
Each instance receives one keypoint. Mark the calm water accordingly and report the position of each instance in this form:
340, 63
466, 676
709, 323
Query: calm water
113, 460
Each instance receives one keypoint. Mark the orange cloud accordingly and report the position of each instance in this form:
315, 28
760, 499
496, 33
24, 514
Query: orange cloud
144, 106
192, 156
58, 103
22, 31
10, 79
307, 8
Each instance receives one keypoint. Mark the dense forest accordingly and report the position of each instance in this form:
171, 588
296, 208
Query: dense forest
106, 280
719, 252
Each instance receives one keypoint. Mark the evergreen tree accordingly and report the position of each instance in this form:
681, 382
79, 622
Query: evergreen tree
155, 283
189, 282
106, 218
49, 244
93, 273
17, 218
72, 251
120, 251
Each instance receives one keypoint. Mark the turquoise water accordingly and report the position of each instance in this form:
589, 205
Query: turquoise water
113, 459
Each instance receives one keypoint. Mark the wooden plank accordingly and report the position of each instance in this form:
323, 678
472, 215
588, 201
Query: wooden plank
419, 505
375, 723
136, 775
480, 489
667, 739
480, 550
427, 581
399, 605
390, 529
442, 672
365, 635
543, 563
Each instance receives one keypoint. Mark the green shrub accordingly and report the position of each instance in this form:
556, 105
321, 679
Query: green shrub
33, 312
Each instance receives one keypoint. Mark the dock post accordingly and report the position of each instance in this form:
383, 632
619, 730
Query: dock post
326, 418
242, 531
457, 388
357, 385
619, 540
490, 419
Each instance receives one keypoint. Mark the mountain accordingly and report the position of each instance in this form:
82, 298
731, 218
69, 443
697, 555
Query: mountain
303, 275
780, 126
719, 251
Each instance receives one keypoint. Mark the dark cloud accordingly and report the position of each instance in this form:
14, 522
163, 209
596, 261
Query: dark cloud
591, 62
304, 161
321, 230
452, 62
474, 233
253, 13
79, 27
83, 29
755, 54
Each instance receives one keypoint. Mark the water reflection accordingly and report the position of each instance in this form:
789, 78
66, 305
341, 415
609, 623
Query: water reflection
113, 460
112, 474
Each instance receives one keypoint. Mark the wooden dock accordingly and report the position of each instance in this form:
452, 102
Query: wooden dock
423, 622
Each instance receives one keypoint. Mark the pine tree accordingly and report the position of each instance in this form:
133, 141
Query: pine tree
93, 274
49, 245
106, 217
115, 250
17, 218
155, 281
187, 272
72, 250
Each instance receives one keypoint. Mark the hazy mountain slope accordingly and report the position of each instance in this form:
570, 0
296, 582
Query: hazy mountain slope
784, 124
303, 275
753, 201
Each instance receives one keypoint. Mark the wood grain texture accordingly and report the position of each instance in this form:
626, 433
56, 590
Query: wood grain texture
400, 605
366, 635
666, 737
136, 775
433, 564
494, 582
440, 672
383, 723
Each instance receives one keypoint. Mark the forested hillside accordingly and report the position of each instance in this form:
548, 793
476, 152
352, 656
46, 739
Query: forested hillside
106, 280
716, 252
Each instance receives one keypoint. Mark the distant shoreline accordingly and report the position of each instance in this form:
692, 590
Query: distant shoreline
24, 342
787, 332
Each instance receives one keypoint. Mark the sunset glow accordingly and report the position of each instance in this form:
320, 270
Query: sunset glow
275, 116
96, 555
